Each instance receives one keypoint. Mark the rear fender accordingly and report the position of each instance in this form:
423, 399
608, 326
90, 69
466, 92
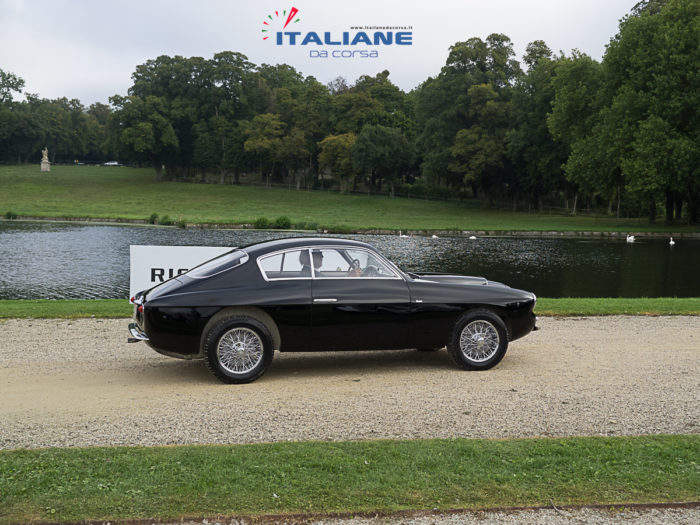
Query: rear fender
249, 311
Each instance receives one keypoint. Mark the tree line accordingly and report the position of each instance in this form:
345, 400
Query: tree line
620, 135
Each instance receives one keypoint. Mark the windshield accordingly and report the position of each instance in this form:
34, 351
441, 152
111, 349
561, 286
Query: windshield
218, 264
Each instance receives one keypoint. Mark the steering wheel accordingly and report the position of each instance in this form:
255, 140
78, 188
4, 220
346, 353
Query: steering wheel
355, 270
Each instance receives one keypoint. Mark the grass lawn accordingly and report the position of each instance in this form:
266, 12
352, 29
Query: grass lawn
132, 193
120, 308
123, 483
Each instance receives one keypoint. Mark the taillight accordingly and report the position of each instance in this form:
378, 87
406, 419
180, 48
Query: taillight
140, 308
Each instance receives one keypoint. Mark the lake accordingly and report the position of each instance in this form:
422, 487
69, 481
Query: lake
46, 260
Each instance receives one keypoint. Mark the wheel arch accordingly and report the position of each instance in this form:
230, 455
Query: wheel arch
247, 311
497, 310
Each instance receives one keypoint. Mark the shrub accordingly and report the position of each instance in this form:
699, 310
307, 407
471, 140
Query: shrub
181, 223
165, 220
261, 223
306, 225
11, 215
338, 228
153, 218
282, 223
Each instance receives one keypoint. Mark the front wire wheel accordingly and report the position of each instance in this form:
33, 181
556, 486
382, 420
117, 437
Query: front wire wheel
479, 340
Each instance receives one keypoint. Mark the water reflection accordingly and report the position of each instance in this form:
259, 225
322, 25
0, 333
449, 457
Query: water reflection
57, 260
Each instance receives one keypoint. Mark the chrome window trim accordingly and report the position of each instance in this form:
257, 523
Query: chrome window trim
396, 276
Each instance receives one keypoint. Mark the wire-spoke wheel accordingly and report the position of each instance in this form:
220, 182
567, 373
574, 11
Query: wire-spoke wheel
238, 348
479, 340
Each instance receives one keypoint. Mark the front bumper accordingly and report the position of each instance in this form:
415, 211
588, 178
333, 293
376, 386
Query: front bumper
137, 334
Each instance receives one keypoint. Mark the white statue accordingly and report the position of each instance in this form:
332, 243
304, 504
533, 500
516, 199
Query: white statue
45, 164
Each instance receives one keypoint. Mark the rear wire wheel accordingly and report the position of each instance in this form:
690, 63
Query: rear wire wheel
238, 349
479, 340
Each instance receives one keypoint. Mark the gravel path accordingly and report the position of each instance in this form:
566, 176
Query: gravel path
78, 383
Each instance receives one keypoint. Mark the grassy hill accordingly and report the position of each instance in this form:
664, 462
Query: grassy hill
132, 193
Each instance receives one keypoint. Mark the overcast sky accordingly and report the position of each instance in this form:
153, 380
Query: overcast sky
88, 49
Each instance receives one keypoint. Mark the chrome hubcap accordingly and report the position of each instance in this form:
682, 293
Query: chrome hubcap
479, 341
239, 350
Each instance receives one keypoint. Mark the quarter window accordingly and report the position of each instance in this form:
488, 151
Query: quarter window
286, 265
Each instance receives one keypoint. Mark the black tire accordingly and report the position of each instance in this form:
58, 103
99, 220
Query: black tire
479, 340
237, 349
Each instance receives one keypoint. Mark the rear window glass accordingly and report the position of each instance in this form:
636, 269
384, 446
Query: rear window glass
219, 264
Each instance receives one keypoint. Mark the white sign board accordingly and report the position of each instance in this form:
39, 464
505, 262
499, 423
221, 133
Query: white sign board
151, 265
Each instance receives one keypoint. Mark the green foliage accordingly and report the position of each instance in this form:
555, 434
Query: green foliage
153, 219
65, 127
336, 156
96, 192
281, 223
622, 133
165, 220
10, 215
381, 153
303, 225
632, 122
9, 83
580, 306
261, 223
166, 483
533, 152
463, 114
66, 309
181, 223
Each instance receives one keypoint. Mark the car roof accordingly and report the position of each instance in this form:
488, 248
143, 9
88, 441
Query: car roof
264, 247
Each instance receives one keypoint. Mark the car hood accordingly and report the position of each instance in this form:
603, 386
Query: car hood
455, 279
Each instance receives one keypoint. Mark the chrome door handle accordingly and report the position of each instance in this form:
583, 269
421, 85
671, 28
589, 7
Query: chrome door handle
329, 300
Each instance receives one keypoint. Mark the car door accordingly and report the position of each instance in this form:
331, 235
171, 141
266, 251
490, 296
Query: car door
287, 296
359, 302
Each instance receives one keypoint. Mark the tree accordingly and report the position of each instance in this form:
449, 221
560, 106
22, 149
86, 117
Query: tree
479, 151
264, 134
293, 155
651, 69
577, 101
382, 153
535, 155
141, 129
336, 155
9, 83
632, 123
462, 113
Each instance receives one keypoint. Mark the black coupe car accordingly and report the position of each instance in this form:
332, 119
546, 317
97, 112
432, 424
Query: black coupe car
318, 294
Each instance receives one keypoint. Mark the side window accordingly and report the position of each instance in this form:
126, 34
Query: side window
365, 264
324, 263
286, 265
341, 263
329, 262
